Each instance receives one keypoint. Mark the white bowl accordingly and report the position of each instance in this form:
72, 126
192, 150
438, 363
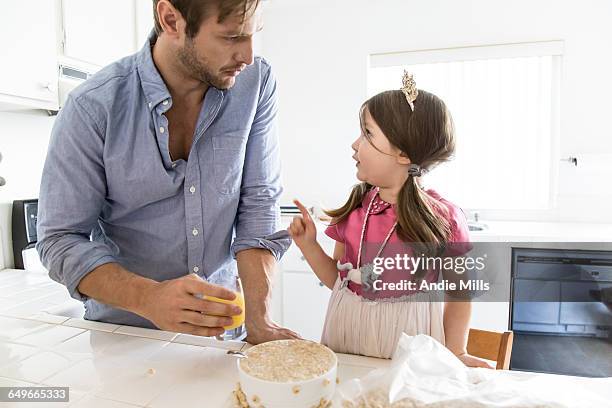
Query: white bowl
289, 394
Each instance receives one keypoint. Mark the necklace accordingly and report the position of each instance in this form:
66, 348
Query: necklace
365, 223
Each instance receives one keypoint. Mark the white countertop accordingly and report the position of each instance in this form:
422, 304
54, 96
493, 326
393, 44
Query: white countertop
108, 365
527, 231
543, 231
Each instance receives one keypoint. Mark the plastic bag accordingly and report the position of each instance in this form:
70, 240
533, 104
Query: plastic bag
424, 373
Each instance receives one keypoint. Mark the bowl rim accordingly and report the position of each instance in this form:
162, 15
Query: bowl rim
333, 367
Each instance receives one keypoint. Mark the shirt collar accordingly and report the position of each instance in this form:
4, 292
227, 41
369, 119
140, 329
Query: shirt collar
152, 83
378, 206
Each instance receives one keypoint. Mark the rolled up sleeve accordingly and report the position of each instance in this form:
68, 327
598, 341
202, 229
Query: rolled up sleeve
72, 194
258, 217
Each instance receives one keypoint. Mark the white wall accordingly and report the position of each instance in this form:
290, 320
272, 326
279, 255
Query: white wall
24, 137
319, 51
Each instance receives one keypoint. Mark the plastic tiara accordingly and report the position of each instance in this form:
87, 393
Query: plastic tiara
409, 88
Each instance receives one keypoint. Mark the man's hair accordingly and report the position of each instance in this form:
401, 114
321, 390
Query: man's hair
196, 11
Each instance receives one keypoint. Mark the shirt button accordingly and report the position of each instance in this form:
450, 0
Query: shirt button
192, 189
196, 269
195, 232
150, 104
162, 130
165, 102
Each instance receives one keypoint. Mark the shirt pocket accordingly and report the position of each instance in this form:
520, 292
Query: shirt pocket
228, 162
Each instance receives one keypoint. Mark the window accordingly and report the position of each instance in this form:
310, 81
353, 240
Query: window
504, 102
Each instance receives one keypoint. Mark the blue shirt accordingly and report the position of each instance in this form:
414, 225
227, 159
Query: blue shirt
110, 191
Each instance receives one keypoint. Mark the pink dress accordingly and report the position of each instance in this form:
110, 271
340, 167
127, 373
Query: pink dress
372, 328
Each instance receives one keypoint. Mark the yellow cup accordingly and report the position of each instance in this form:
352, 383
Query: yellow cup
238, 320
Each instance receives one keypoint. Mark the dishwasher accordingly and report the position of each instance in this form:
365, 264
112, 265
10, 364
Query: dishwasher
561, 311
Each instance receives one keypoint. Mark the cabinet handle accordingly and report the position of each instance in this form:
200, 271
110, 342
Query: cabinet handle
48, 86
2, 180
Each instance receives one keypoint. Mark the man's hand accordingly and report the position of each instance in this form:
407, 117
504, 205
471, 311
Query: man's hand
262, 332
256, 268
173, 306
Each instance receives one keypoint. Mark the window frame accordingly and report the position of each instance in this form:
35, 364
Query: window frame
554, 49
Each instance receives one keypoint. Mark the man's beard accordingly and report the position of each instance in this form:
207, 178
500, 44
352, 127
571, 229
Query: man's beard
198, 67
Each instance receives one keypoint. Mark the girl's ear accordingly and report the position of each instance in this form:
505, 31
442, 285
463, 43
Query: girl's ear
402, 158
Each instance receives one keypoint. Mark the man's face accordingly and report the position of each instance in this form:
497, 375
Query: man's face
220, 51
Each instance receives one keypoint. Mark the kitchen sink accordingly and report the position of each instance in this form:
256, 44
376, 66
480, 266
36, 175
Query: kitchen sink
477, 226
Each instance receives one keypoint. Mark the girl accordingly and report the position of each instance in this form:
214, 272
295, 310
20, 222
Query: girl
404, 133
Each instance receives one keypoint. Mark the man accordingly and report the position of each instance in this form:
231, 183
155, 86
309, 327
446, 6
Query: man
161, 158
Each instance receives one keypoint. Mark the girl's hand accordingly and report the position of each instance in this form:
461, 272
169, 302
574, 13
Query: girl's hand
303, 229
472, 361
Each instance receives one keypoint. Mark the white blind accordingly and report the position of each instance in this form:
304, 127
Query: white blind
505, 113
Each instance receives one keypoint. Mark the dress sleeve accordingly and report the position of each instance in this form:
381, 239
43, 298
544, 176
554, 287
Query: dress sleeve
459, 242
336, 231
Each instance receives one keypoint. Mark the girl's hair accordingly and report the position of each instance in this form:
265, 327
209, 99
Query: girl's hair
426, 136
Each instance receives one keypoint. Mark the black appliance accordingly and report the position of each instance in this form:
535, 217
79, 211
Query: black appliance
561, 311
25, 213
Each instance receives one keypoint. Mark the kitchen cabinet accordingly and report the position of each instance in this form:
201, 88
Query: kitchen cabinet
28, 40
304, 304
99, 32
39, 35
304, 297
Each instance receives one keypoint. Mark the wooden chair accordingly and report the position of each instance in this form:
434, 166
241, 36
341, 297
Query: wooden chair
490, 345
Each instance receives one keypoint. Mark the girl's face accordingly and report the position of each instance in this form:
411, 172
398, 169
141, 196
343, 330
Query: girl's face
379, 163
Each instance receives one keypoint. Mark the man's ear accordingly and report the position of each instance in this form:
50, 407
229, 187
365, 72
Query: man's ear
402, 158
169, 18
